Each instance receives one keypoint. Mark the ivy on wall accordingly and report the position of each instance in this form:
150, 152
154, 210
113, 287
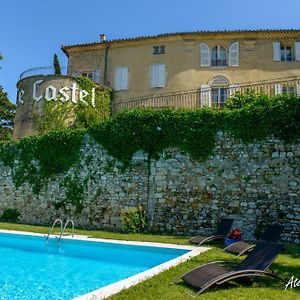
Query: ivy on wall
247, 117
58, 115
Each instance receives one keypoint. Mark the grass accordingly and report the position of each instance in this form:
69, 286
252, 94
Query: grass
160, 287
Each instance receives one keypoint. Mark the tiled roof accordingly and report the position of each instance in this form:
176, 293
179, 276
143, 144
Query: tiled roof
191, 34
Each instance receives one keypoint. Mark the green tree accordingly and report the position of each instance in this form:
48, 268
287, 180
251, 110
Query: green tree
56, 65
7, 113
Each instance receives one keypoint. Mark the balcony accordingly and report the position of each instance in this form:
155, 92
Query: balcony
209, 97
41, 71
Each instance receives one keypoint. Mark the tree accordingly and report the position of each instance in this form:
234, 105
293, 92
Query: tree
56, 65
7, 113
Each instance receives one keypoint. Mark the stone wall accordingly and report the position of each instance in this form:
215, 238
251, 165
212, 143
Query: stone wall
252, 183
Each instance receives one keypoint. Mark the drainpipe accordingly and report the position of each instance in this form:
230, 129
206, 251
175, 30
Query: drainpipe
105, 65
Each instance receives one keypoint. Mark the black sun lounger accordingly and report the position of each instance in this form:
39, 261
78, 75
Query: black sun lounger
271, 234
217, 273
223, 230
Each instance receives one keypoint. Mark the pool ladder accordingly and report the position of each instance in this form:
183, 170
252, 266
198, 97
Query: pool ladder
62, 228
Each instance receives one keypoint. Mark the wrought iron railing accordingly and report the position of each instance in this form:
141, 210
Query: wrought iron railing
48, 70
209, 97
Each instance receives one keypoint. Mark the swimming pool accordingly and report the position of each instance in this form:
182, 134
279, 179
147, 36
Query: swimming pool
32, 268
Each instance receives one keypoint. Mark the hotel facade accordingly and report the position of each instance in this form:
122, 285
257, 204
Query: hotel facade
190, 69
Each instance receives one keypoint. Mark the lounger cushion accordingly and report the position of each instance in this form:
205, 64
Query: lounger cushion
198, 277
239, 247
197, 239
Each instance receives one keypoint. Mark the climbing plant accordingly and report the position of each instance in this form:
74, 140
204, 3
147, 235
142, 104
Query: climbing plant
58, 115
36, 159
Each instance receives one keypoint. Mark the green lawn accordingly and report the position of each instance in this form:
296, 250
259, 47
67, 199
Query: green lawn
160, 287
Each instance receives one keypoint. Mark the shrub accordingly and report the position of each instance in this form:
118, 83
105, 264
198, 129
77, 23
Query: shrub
10, 215
134, 219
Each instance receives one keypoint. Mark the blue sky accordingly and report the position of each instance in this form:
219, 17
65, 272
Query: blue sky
32, 31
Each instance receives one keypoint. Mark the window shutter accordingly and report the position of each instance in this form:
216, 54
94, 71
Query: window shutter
234, 55
157, 75
204, 55
96, 76
297, 51
298, 88
121, 79
278, 89
161, 75
205, 95
276, 51
233, 88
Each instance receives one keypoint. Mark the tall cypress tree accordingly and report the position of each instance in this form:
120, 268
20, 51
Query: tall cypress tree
56, 65
7, 113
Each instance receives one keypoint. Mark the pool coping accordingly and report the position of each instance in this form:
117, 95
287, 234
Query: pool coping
116, 287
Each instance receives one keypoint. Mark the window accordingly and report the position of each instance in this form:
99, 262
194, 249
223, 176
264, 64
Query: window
286, 53
289, 89
121, 78
91, 74
218, 56
282, 52
159, 50
158, 75
219, 91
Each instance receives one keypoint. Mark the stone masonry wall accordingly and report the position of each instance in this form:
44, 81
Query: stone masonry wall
252, 183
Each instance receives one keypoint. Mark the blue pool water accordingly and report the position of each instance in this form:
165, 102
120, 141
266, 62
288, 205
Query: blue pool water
33, 269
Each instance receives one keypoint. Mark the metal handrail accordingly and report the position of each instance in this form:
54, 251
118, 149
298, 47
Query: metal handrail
202, 97
63, 230
45, 70
51, 229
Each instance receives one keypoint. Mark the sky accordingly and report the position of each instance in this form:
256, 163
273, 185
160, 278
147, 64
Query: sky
31, 31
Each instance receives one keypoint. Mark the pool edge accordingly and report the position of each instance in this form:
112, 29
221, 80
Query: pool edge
118, 286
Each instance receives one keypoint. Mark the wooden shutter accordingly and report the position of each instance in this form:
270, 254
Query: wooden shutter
157, 75
204, 55
121, 79
278, 89
96, 76
297, 51
276, 51
234, 55
205, 95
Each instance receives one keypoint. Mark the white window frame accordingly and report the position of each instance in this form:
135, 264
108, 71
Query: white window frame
161, 49
219, 47
285, 52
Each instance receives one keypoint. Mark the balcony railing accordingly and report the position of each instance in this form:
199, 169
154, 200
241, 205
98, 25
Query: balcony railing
210, 97
41, 71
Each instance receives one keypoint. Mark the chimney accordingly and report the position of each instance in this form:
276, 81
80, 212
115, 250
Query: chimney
102, 38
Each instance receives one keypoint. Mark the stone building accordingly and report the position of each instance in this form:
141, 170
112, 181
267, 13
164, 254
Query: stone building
192, 69
171, 69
